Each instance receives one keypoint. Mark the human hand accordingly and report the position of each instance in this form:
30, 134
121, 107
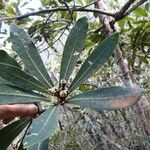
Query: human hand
9, 112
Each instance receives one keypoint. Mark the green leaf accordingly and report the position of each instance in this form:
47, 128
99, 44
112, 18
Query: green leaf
10, 132
29, 54
81, 2
84, 2
95, 60
107, 98
9, 8
42, 127
140, 12
73, 48
10, 95
40, 146
5, 58
19, 78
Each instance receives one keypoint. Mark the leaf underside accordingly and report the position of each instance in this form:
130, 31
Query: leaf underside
42, 127
107, 98
27, 51
95, 60
73, 48
12, 95
11, 131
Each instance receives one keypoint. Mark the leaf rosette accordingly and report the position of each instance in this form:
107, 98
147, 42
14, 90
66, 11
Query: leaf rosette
22, 87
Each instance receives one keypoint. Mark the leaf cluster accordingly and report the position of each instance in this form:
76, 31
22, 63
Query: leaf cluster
38, 86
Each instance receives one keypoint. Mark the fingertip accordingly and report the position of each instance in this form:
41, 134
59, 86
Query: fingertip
27, 110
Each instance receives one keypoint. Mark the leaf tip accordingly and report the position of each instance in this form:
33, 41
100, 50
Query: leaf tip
83, 20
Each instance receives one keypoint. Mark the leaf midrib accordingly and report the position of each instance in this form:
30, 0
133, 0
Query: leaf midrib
23, 78
26, 47
37, 68
43, 125
47, 120
29, 82
89, 68
39, 146
72, 53
96, 98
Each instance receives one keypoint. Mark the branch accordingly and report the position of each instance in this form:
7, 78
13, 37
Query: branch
69, 10
117, 53
46, 11
123, 11
134, 7
117, 16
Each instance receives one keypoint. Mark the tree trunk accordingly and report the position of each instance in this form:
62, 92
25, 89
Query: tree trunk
143, 106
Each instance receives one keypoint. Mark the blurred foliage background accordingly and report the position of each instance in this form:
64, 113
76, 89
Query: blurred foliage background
87, 130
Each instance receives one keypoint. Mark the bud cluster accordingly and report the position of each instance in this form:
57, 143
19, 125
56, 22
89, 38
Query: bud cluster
60, 93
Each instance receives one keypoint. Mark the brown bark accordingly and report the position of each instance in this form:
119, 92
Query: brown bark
142, 106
